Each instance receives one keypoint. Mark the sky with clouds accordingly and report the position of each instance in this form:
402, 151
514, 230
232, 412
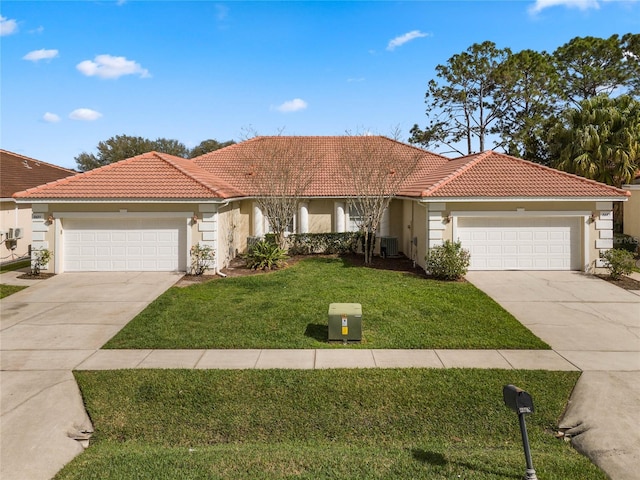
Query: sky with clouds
78, 72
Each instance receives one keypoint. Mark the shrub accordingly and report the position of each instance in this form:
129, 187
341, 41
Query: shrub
201, 258
449, 261
619, 262
265, 255
39, 259
323, 243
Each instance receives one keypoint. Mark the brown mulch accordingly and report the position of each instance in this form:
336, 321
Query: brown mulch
624, 282
40, 276
237, 267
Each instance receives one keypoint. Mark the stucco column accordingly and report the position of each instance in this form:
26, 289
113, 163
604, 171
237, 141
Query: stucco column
303, 217
384, 223
340, 217
258, 221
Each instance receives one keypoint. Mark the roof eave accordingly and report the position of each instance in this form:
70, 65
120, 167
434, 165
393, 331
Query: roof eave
620, 198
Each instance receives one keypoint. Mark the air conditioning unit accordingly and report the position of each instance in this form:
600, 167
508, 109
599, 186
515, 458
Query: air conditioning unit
18, 232
388, 247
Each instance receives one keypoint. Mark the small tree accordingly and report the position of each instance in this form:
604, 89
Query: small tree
376, 167
280, 170
201, 259
448, 261
619, 262
39, 259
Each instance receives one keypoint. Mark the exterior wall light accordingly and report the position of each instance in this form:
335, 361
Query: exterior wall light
194, 219
50, 218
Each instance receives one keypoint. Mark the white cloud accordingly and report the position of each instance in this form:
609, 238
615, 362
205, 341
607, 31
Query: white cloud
108, 66
7, 26
222, 12
407, 37
355, 80
41, 54
51, 117
84, 114
294, 105
540, 5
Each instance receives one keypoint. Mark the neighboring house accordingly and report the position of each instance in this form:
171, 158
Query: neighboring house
632, 209
146, 212
18, 173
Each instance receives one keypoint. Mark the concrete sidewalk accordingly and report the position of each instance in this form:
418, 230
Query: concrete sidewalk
30, 360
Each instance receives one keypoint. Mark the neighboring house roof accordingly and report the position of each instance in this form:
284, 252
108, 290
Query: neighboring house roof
495, 175
18, 173
228, 173
151, 175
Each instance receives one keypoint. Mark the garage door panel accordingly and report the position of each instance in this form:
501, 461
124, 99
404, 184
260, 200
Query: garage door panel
532, 243
124, 245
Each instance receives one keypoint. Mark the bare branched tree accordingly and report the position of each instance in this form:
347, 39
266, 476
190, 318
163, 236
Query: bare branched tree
377, 167
280, 170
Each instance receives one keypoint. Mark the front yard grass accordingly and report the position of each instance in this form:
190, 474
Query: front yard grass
339, 424
6, 290
288, 309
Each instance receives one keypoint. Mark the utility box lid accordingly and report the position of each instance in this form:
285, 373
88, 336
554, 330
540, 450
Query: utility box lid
348, 309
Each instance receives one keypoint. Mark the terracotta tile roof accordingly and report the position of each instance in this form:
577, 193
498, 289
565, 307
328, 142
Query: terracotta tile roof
324, 154
495, 175
148, 176
18, 173
229, 172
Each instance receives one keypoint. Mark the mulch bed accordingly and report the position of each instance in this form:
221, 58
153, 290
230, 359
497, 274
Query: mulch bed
624, 282
40, 276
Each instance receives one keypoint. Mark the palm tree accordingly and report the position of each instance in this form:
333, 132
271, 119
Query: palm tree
599, 140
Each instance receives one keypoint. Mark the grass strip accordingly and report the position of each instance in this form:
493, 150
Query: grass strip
288, 309
410, 423
6, 290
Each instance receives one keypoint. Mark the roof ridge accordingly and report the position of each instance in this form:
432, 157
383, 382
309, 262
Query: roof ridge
182, 170
457, 172
557, 171
2, 150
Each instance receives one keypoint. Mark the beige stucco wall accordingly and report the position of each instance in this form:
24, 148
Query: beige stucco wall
632, 212
13, 215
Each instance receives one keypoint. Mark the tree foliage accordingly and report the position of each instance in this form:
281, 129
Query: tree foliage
461, 108
207, 146
599, 139
517, 97
376, 168
121, 147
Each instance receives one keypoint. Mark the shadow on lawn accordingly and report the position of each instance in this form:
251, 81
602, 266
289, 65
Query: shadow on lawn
317, 331
439, 460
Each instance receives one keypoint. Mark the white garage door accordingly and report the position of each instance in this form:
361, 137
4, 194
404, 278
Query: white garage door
115, 245
533, 243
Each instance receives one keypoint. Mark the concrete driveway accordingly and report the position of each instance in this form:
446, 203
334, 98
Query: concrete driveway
596, 326
47, 330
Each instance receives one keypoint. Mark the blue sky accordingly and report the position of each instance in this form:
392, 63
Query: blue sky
76, 73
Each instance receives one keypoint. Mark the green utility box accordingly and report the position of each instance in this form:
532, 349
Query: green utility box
345, 322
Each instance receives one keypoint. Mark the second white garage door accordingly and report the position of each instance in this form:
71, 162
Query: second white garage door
120, 245
532, 243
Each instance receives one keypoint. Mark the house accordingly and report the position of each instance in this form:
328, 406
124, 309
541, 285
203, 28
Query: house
18, 173
145, 213
632, 209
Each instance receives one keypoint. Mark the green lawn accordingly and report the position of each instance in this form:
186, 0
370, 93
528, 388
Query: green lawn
6, 290
288, 309
15, 266
340, 424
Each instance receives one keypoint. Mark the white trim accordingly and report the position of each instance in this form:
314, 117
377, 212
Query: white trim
123, 214
100, 201
520, 199
532, 213
586, 259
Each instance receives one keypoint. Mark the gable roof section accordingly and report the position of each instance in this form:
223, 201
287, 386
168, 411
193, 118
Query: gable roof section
151, 175
18, 173
234, 164
495, 175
